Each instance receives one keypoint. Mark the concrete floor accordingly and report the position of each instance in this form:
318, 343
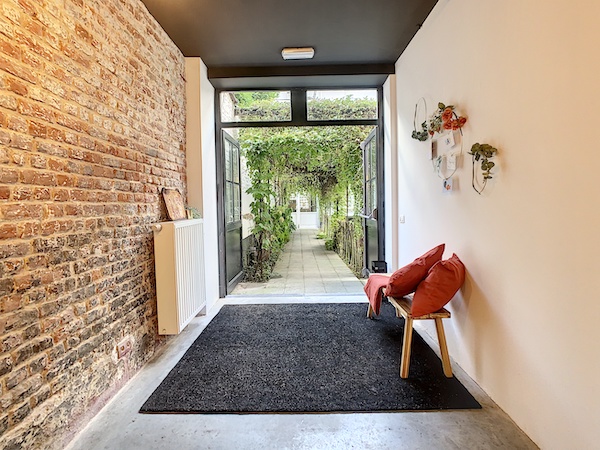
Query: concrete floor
119, 425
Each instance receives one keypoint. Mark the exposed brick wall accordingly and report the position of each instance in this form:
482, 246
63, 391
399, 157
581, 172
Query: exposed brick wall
92, 126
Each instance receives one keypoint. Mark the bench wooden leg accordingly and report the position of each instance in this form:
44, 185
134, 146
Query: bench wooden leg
439, 326
406, 346
370, 312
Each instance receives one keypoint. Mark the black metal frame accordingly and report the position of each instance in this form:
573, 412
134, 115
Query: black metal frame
299, 119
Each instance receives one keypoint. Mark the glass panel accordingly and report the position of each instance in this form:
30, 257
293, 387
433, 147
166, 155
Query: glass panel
369, 161
227, 160
373, 151
368, 208
237, 210
373, 195
228, 202
256, 106
235, 163
341, 104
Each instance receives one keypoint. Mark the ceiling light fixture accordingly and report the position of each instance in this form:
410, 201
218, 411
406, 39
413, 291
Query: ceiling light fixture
298, 53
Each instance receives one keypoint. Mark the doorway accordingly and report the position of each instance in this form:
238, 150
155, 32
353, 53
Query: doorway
307, 108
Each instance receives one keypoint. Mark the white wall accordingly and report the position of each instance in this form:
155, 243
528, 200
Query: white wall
525, 326
193, 133
201, 173
390, 151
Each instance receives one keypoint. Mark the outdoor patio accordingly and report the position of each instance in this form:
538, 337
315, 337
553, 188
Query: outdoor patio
305, 267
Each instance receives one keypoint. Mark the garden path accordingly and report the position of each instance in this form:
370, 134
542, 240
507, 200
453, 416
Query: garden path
306, 268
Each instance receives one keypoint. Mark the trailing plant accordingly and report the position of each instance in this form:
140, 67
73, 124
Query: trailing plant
482, 153
422, 135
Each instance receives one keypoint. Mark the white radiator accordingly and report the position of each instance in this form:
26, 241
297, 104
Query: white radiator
179, 263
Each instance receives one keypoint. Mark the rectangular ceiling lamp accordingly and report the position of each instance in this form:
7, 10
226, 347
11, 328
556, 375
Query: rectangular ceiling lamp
298, 53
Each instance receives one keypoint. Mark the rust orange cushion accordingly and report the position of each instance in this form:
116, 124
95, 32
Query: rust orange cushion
405, 280
443, 281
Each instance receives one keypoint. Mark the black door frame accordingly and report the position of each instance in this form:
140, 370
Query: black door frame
235, 226
299, 119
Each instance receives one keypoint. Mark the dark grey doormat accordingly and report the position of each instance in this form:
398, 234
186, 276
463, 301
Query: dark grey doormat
305, 358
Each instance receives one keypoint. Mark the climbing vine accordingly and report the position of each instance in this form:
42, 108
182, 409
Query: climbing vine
323, 161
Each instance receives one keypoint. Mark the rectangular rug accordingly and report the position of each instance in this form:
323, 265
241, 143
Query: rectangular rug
305, 358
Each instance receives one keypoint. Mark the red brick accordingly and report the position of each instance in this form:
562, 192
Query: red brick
56, 165
39, 178
83, 33
37, 129
25, 282
64, 180
10, 303
72, 123
9, 49
36, 110
13, 250
8, 175
41, 50
8, 101
17, 123
8, 231
19, 158
41, 194
37, 261
21, 141
38, 161
87, 142
28, 7
78, 195
22, 193
32, 60
17, 86
17, 69
5, 137
61, 195
4, 192
33, 26
75, 102
56, 134
29, 230
54, 210
21, 211
52, 148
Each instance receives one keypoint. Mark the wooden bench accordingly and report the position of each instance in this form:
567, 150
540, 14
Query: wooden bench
402, 307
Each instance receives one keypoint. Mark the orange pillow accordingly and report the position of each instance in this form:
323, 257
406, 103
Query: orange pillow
443, 281
405, 280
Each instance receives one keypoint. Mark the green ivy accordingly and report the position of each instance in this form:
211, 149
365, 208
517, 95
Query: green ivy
323, 161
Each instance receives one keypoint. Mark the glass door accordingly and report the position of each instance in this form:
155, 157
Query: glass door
233, 210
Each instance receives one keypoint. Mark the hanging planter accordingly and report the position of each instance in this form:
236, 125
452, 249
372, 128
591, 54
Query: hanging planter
421, 135
482, 153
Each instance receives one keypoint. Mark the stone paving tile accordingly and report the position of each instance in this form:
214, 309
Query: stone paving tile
306, 268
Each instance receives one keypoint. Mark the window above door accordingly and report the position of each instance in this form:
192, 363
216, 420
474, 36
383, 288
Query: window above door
299, 107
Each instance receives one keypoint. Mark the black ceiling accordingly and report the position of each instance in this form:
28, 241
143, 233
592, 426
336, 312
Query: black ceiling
356, 42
